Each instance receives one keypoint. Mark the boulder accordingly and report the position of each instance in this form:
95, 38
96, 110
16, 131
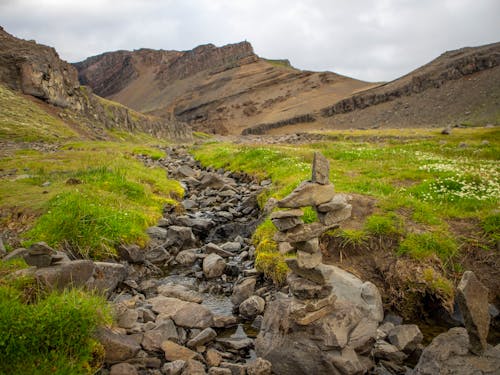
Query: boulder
65, 275
215, 249
180, 237
384, 350
166, 306
472, 297
338, 202
306, 289
335, 217
158, 255
212, 180
310, 246
181, 292
259, 367
405, 337
106, 277
193, 367
308, 260
123, 369
164, 331
174, 367
308, 194
157, 233
231, 246
205, 336
193, 315
243, 290
175, 352
213, 266
131, 253
186, 257
117, 347
252, 306
320, 169
283, 214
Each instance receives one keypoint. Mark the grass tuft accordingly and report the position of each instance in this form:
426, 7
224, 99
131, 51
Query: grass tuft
424, 245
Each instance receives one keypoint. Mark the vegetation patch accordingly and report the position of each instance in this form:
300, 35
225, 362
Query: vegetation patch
424, 245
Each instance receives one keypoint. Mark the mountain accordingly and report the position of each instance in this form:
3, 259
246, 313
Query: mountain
37, 72
220, 90
231, 90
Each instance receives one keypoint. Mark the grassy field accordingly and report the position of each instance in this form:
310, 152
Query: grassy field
423, 183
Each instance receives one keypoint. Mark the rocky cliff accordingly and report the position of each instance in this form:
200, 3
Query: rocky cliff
215, 89
37, 70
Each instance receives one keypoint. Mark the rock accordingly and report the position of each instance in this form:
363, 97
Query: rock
306, 289
311, 246
117, 347
107, 276
174, 351
287, 223
231, 246
236, 343
283, 214
125, 317
319, 274
157, 233
193, 367
219, 371
193, 315
308, 260
405, 337
284, 247
3, 251
158, 255
41, 248
448, 353
123, 369
320, 169
472, 297
213, 266
338, 202
186, 171
364, 335
166, 306
164, 331
251, 307
259, 367
213, 358
215, 249
225, 321
18, 253
303, 233
308, 194
65, 275
180, 292
180, 237
243, 290
383, 330
39, 261
335, 217
346, 361
186, 257
236, 368
131, 253
389, 352
174, 367
212, 180
205, 336
446, 131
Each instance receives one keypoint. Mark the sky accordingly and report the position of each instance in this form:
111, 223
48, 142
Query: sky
372, 40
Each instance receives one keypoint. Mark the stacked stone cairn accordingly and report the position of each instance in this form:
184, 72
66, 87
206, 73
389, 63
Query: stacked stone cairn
309, 278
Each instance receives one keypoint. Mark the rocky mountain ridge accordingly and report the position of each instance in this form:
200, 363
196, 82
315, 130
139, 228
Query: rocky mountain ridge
36, 70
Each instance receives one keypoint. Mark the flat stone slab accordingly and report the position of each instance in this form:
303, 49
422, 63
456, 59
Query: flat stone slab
308, 194
303, 233
287, 213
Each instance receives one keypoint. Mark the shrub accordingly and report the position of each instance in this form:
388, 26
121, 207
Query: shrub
423, 245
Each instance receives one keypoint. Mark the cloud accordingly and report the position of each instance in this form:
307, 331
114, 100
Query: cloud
368, 39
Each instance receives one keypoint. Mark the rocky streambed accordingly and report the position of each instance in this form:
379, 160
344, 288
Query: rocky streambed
193, 302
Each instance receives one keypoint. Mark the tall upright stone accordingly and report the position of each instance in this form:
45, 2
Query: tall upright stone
320, 169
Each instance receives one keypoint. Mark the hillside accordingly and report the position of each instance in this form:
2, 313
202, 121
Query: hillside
215, 89
37, 72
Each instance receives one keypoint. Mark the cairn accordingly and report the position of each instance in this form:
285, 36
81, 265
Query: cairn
313, 297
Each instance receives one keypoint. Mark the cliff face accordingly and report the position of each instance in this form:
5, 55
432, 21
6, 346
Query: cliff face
37, 70
214, 89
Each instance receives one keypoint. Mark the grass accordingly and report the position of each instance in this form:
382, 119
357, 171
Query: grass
98, 195
44, 332
424, 245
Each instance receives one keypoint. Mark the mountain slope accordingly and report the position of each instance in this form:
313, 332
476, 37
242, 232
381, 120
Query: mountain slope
37, 72
216, 89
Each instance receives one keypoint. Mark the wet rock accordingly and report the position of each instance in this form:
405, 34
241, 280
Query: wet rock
243, 290
164, 331
186, 257
205, 336
472, 298
174, 367
193, 315
251, 307
123, 369
308, 194
174, 351
117, 347
131, 253
213, 266
405, 337
106, 276
181, 292
259, 367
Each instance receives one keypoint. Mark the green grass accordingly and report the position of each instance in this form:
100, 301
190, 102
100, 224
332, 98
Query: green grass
384, 225
112, 199
424, 245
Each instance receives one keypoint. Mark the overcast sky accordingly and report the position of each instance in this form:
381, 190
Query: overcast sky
374, 40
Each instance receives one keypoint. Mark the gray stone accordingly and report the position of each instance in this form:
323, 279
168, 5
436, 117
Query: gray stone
180, 291
125, 317
166, 306
213, 266
236, 343
286, 214
174, 351
335, 217
65, 275
107, 276
202, 338
285, 247
346, 361
186, 257
180, 237
308, 260
306, 289
259, 367
39, 261
3, 251
198, 225
319, 274
123, 369
287, 223
311, 246
384, 350
219, 371
193, 367
131, 253
252, 306
186, 171
157, 233
320, 169
303, 232
193, 315
472, 297
18, 253
164, 331
174, 367
157, 255
243, 290
308, 194
117, 347
405, 337
212, 180
232, 246
225, 321
338, 202
41, 248
215, 249
236, 368
364, 335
